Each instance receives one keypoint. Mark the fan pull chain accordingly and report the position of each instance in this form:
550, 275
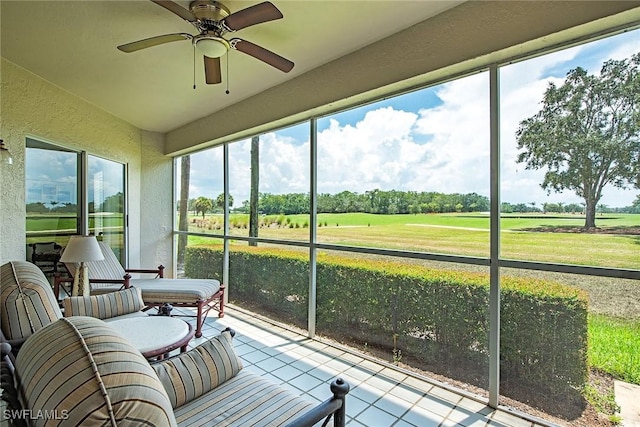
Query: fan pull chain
227, 61
194, 67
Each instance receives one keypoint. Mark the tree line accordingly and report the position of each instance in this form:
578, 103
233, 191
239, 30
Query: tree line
374, 201
390, 202
573, 208
113, 203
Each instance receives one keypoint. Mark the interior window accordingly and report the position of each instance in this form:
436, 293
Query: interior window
57, 209
106, 203
52, 208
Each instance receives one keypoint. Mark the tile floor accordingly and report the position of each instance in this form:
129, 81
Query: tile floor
380, 395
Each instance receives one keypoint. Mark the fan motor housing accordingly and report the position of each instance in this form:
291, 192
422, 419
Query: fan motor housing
208, 10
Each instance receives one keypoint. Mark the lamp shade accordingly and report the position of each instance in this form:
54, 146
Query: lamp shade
81, 249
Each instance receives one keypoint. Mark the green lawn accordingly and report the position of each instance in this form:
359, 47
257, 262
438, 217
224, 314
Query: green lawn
614, 347
50, 222
67, 222
50, 227
466, 234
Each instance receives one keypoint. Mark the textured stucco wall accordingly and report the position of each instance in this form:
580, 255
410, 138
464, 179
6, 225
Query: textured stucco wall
32, 107
156, 222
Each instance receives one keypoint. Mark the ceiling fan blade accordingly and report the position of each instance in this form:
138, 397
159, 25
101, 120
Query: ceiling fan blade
154, 41
177, 9
253, 15
262, 54
212, 72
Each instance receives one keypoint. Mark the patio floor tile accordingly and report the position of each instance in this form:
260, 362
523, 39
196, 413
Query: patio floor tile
381, 395
373, 416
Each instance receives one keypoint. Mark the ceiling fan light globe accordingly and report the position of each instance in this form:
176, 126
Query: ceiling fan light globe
213, 47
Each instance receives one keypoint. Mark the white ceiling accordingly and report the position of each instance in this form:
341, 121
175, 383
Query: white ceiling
72, 44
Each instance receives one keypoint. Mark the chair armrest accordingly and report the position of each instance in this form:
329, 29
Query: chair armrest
58, 279
125, 281
8, 384
159, 272
332, 407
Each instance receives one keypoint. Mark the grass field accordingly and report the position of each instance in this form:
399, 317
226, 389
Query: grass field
615, 245
465, 234
614, 347
66, 224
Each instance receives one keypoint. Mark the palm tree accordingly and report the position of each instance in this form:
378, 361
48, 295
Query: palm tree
255, 182
185, 172
203, 204
220, 201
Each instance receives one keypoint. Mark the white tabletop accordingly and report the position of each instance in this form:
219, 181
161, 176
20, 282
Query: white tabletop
150, 333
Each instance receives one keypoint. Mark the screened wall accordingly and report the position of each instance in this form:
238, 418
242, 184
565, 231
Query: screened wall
428, 228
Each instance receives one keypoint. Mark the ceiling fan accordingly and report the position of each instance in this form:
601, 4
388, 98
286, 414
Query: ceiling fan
212, 19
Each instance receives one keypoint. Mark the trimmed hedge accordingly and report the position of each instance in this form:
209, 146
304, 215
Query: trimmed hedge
436, 318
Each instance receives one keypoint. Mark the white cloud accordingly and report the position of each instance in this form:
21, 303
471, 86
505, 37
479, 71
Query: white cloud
375, 153
284, 165
459, 131
206, 174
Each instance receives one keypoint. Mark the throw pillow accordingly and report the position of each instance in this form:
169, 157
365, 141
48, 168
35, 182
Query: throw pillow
105, 306
192, 374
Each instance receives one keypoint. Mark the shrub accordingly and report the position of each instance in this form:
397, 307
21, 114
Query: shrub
438, 318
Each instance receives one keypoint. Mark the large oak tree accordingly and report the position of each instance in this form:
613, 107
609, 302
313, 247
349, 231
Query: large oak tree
587, 134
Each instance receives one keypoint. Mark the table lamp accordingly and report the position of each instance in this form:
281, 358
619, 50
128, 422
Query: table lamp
81, 249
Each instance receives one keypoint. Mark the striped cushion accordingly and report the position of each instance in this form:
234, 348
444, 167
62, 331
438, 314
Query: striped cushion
176, 290
105, 306
27, 303
173, 291
80, 369
109, 268
245, 400
194, 373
